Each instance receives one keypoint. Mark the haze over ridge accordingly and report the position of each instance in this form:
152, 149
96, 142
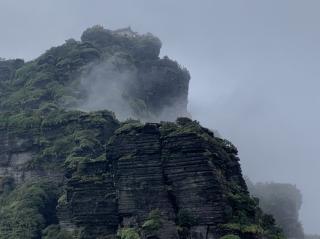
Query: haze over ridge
254, 68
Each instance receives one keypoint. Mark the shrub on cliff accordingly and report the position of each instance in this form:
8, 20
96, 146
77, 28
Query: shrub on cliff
128, 233
153, 222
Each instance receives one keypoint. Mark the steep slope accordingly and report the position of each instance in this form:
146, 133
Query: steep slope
69, 171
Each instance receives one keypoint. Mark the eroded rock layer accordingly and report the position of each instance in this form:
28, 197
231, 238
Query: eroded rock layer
168, 180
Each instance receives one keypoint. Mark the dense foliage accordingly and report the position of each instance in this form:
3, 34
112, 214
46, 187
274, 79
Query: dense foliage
62, 138
28, 209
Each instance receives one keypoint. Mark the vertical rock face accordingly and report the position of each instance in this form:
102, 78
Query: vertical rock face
90, 202
19, 147
16, 150
194, 182
137, 163
178, 170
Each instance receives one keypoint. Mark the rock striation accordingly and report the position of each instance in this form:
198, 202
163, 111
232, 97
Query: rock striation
177, 169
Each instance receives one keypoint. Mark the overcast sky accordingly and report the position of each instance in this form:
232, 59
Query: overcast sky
254, 66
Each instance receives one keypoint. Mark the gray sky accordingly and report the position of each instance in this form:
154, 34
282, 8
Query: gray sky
254, 67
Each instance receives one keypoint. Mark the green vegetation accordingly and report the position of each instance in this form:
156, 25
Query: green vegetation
62, 137
53, 80
27, 210
187, 126
153, 223
140, 47
128, 233
185, 220
246, 217
128, 126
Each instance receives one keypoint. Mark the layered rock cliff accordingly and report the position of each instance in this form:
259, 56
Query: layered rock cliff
179, 172
66, 173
